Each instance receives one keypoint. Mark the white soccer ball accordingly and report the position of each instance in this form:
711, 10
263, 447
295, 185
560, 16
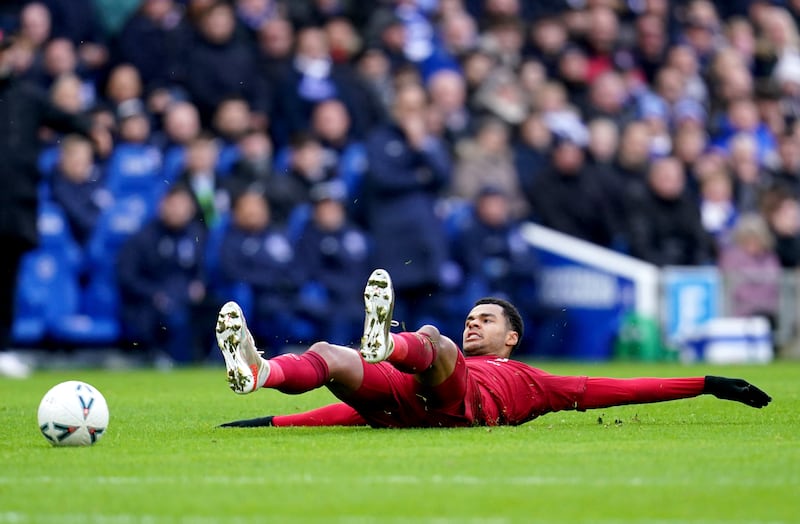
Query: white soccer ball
73, 413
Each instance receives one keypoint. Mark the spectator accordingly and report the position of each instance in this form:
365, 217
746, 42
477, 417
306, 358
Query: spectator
633, 156
601, 37
496, 260
603, 145
408, 167
134, 167
154, 40
683, 59
181, 125
124, 84
342, 39
448, 97
221, 64
742, 118
59, 58
609, 98
503, 39
66, 93
19, 178
76, 21
459, 33
702, 29
331, 124
162, 284
748, 175
275, 40
313, 79
78, 187
257, 253
718, 210
786, 173
333, 255
548, 38
232, 120
651, 44
253, 169
254, 13
664, 221
573, 72
308, 167
35, 28
212, 198
487, 160
531, 150
751, 269
783, 216
569, 199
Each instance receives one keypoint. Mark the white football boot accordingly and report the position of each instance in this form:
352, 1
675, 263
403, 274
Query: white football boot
377, 343
247, 371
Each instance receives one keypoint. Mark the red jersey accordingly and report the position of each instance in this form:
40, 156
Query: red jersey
502, 391
482, 391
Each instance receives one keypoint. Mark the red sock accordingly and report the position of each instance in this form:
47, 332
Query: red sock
334, 415
412, 353
606, 392
291, 373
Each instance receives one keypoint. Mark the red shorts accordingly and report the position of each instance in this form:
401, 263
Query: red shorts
390, 398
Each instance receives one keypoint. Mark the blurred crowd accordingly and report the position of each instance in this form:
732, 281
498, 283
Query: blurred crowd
276, 151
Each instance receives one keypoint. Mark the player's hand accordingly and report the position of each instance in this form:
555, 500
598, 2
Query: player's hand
736, 389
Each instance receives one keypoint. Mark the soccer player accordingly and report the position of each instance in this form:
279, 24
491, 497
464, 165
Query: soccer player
422, 379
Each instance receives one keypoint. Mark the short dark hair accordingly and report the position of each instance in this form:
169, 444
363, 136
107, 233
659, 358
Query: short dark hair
511, 313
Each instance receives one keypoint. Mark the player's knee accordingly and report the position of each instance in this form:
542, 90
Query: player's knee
444, 346
431, 332
336, 357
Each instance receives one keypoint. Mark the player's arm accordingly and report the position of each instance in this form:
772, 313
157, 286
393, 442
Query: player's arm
339, 414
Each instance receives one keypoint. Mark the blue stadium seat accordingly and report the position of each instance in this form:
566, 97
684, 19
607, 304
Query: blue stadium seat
55, 234
47, 291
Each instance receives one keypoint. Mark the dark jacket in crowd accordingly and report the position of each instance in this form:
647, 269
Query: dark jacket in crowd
574, 204
401, 188
286, 192
219, 71
23, 109
156, 50
668, 232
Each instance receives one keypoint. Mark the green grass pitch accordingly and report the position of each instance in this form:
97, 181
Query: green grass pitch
162, 459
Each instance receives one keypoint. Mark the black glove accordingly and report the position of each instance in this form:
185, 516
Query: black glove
249, 423
736, 389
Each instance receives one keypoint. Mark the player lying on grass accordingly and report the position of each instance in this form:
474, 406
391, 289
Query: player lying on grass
422, 379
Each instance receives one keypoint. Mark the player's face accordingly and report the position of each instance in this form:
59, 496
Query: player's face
486, 332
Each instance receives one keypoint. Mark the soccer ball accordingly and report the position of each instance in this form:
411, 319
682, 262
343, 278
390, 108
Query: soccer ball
73, 413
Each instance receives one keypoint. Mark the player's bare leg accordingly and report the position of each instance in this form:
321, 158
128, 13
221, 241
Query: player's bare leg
425, 353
